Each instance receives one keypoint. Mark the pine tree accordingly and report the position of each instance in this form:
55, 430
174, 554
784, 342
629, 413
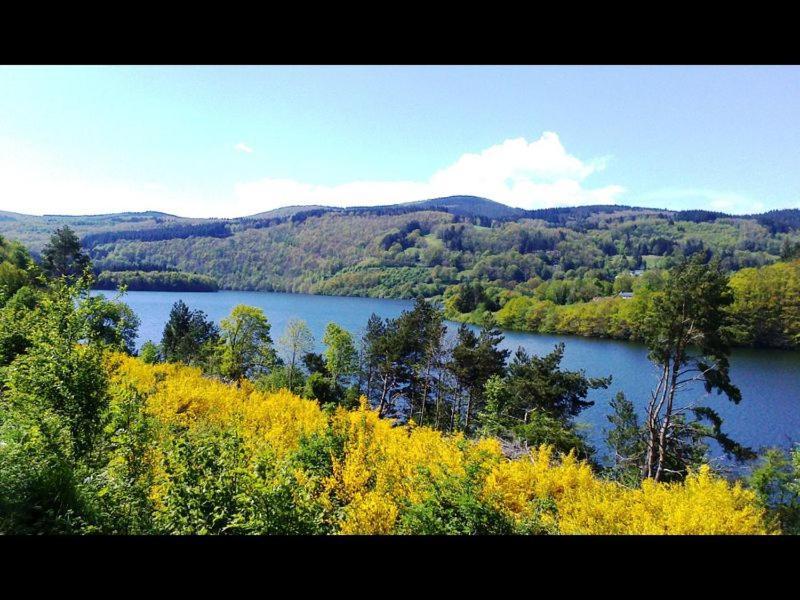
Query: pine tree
63, 256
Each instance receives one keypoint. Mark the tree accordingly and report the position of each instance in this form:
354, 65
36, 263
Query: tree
538, 383
189, 337
776, 480
625, 440
341, 358
536, 401
149, 353
113, 323
296, 341
315, 363
322, 389
475, 358
685, 333
247, 348
51, 411
422, 330
63, 256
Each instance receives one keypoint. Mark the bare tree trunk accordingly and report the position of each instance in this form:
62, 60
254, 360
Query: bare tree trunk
469, 412
425, 391
386, 385
291, 371
662, 438
438, 401
653, 410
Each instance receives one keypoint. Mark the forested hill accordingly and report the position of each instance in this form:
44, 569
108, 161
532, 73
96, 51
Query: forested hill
421, 248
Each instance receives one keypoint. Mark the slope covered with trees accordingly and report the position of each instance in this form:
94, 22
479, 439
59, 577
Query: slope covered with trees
558, 270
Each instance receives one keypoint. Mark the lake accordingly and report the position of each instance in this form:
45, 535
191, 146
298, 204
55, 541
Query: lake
769, 414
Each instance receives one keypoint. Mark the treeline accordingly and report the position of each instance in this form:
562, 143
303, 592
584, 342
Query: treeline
166, 232
346, 254
765, 311
422, 249
160, 281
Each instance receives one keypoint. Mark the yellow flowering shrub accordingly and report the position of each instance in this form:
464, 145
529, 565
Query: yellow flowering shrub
703, 504
381, 469
385, 466
181, 395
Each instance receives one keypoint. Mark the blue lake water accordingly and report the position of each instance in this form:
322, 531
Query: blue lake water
769, 414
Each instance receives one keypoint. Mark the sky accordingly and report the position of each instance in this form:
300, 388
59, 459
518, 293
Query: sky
203, 141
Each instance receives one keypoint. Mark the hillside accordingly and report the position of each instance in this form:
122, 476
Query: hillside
565, 255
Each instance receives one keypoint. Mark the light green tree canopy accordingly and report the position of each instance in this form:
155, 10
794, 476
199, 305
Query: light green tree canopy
340, 355
247, 347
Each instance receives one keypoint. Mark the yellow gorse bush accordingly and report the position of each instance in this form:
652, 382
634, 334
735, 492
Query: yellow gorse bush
385, 466
703, 504
383, 469
181, 395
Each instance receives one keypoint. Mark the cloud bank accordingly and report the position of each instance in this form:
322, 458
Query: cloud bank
524, 174
519, 173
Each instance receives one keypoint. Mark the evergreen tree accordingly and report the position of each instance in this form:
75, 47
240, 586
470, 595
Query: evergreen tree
625, 440
686, 334
475, 359
63, 256
189, 337
536, 401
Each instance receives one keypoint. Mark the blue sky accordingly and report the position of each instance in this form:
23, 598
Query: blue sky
230, 141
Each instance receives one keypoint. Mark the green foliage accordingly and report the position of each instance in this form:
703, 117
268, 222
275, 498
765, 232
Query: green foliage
625, 440
62, 256
475, 359
39, 486
535, 402
322, 389
155, 281
295, 343
189, 337
150, 353
112, 323
121, 488
766, 307
57, 373
686, 333
279, 377
341, 358
454, 509
776, 480
52, 406
246, 349
215, 489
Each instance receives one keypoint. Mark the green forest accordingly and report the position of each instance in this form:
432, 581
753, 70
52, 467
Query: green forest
584, 271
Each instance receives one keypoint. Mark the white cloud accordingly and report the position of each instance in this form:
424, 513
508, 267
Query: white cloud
242, 147
705, 199
35, 183
516, 172
525, 174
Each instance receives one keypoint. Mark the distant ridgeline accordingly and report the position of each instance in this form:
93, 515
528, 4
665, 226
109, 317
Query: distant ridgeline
431, 248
